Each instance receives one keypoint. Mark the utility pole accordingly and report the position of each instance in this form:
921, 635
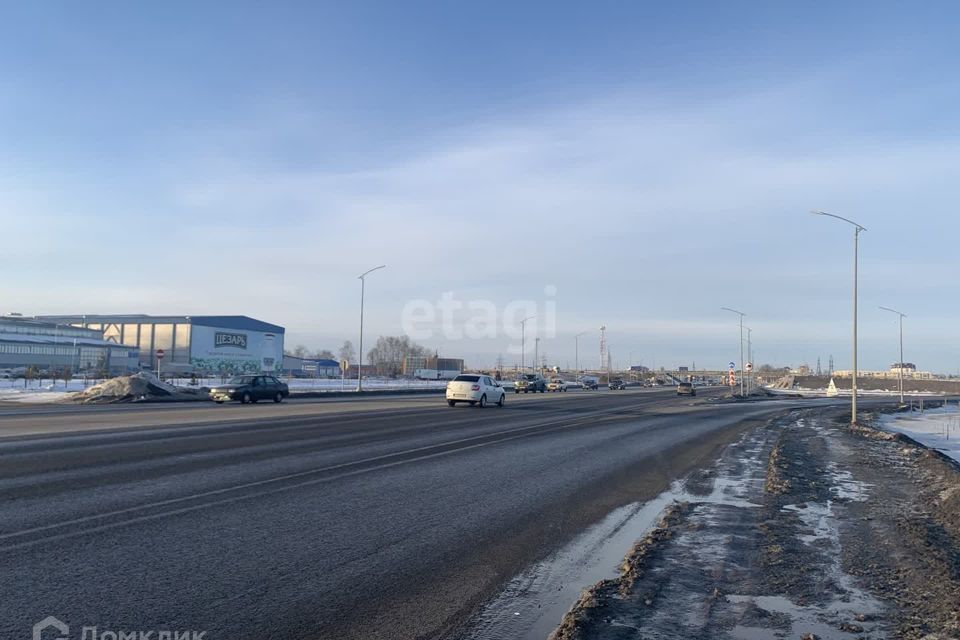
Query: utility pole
576, 346
536, 352
900, 376
523, 343
603, 351
742, 370
856, 250
363, 282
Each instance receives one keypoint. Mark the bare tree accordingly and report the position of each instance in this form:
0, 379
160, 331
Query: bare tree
324, 354
388, 354
299, 351
347, 352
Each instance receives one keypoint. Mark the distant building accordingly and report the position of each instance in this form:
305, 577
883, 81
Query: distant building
909, 372
190, 344
368, 370
411, 364
54, 347
909, 369
310, 367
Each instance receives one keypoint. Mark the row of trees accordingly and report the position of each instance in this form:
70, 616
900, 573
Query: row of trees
347, 352
387, 355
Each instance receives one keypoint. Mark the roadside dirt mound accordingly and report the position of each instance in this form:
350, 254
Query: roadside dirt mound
138, 387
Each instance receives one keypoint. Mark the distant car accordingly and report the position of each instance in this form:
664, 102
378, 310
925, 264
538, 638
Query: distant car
617, 385
557, 385
589, 385
475, 389
250, 388
530, 383
686, 389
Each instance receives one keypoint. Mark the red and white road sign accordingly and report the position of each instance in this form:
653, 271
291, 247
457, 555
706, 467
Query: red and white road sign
159, 354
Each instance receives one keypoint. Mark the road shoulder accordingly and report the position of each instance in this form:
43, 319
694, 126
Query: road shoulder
804, 528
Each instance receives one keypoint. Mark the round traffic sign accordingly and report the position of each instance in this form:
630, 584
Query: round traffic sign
160, 354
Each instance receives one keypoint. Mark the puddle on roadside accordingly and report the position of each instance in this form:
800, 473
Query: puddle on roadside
534, 602
805, 620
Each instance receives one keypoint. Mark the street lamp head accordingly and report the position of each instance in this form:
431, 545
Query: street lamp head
859, 227
741, 313
902, 315
365, 273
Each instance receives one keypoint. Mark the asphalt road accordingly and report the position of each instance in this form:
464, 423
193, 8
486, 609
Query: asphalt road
390, 518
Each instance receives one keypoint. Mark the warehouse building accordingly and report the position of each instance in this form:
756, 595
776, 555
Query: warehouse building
296, 367
53, 347
190, 344
411, 364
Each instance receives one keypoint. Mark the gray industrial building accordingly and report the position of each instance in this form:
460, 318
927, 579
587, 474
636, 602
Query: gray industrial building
190, 344
310, 367
47, 346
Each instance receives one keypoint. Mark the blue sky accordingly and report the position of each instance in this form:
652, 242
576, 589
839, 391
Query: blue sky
653, 161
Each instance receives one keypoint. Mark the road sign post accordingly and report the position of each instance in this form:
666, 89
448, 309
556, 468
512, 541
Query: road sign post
160, 354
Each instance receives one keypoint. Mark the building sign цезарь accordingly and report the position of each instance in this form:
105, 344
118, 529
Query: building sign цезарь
224, 339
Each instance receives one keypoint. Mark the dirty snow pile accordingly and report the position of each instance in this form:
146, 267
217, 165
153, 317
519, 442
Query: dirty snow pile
137, 387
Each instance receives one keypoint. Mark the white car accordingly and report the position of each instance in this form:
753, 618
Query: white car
477, 389
557, 385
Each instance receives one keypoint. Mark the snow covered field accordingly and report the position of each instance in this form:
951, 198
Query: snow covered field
846, 392
936, 428
40, 390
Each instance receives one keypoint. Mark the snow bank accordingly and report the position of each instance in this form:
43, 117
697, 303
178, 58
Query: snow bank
936, 428
139, 386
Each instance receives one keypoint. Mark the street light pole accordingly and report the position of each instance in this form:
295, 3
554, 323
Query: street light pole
363, 281
536, 355
902, 316
742, 372
750, 358
576, 346
523, 342
856, 250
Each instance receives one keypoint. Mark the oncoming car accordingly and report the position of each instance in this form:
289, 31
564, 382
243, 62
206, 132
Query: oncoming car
250, 388
557, 385
475, 389
686, 389
530, 383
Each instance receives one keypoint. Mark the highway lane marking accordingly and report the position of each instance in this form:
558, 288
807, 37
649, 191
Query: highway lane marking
491, 439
